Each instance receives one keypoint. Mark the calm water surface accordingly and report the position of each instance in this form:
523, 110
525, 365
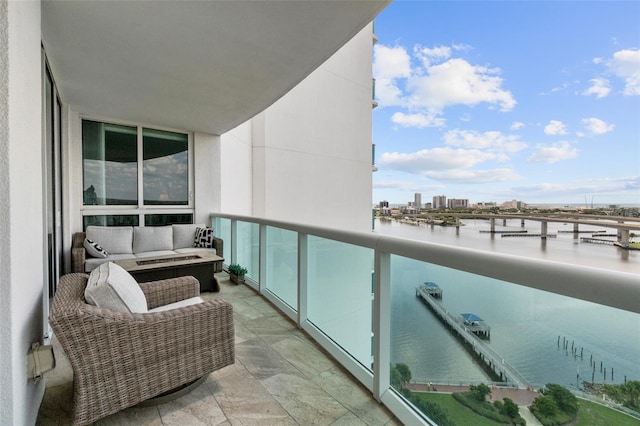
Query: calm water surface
525, 323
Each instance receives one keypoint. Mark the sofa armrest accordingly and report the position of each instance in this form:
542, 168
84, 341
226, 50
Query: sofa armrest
78, 253
218, 244
163, 292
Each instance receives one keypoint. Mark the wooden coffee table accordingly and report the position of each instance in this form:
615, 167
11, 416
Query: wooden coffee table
201, 265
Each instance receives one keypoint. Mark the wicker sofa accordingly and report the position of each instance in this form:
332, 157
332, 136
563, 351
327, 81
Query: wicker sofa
121, 359
128, 242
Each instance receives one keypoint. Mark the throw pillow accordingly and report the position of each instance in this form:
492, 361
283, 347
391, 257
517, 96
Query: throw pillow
111, 287
203, 238
94, 249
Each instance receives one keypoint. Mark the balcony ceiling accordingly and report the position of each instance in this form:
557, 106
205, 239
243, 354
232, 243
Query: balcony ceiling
194, 65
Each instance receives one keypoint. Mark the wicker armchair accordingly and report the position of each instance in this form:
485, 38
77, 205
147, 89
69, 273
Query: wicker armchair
122, 359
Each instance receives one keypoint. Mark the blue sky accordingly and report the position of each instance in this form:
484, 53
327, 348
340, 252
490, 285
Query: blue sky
494, 101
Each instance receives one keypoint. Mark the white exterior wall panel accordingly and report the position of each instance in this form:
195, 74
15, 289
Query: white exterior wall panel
235, 170
22, 233
316, 138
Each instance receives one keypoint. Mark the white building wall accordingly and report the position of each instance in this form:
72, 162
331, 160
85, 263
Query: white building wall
312, 148
207, 179
22, 234
235, 170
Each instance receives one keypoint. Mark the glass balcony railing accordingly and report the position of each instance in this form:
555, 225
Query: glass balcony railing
453, 316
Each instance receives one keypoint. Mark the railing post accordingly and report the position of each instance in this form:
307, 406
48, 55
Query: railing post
381, 324
303, 276
234, 242
262, 258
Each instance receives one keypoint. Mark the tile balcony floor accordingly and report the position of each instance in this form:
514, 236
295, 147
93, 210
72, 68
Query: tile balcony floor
280, 377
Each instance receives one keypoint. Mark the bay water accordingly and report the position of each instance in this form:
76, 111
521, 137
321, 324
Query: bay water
546, 337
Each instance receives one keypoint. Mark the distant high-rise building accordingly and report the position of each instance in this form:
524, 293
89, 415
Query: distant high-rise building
439, 202
384, 203
514, 204
417, 200
455, 203
486, 204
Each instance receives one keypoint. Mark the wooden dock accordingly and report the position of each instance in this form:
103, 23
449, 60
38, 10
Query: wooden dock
480, 349
503, 232
432, 289
597, 241
519, 234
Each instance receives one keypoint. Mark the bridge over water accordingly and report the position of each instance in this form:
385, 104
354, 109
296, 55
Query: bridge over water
624, 225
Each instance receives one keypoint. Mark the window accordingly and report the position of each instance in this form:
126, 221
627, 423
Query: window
137, 171
165, 168
167, 219
110, 220
110, 164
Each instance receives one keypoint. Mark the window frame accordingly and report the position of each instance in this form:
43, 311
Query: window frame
140, 208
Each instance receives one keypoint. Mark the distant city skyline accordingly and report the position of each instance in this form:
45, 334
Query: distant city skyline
493, 101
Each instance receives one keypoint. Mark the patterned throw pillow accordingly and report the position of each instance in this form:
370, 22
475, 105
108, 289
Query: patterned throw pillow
94, 249
203, 238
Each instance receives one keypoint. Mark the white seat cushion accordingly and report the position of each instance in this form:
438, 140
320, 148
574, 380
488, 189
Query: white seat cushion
113, 239
111, 287
152, 238
178, 304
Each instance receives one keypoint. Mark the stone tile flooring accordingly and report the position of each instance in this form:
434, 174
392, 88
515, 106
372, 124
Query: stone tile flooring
280, 377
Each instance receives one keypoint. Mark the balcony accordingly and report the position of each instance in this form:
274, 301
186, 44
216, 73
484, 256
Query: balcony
355, 295
347, 301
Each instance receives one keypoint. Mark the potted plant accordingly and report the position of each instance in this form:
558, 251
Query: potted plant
236, 273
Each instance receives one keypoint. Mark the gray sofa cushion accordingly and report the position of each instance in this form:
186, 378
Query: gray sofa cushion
152, 238
114, 239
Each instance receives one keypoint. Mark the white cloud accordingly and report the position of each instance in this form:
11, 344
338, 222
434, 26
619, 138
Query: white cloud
391, 62
428, 160
553, 153
626, 65
599, 87
431, 80
474, 176
417, 120
404, 185
563, 86
448, 165
517, 125
608, 186
597, 60
389, 65
427, 55
597, 126
457, 82
492, 141
555, 127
